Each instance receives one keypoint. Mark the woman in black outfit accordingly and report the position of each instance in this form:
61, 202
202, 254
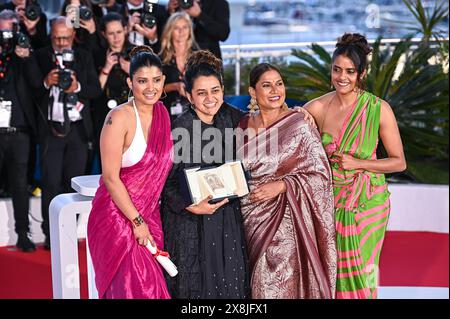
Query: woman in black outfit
206, 241
113, 66
177, 44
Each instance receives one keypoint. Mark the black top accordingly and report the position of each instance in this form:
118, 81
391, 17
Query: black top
173, 75
213, 25
209, 250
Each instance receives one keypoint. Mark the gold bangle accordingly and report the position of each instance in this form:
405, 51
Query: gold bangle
138, 221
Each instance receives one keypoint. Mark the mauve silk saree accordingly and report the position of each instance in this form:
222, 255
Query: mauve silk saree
123, 268
291, 238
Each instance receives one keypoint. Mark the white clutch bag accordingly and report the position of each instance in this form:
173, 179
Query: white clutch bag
163, 258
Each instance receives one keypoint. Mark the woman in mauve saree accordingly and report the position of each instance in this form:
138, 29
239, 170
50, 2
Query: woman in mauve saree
136, 153
351, 122
288, 215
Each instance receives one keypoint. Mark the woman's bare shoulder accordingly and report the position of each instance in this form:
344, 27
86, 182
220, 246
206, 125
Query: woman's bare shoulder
120, 114
317, 105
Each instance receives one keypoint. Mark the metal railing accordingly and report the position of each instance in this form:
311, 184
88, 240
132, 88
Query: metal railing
239, 52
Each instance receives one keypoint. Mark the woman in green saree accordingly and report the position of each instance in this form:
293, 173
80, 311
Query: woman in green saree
351, 121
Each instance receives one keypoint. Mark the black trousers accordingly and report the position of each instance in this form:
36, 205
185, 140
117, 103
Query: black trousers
14, 153
62, 158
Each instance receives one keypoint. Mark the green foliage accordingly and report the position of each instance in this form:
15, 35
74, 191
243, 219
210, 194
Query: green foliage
427, 21
401, 75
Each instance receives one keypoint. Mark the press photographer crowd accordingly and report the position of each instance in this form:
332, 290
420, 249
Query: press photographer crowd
60, 77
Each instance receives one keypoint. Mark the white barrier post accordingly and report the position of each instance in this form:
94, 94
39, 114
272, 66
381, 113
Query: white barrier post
64, 240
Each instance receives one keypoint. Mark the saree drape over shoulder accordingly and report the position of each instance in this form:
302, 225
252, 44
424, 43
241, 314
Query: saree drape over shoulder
361, 201
123, 268
291, 238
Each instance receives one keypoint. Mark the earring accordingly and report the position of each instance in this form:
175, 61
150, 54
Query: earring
165, 95
331, 86
130, 95
253, 106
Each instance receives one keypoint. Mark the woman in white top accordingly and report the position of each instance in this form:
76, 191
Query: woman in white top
135, 148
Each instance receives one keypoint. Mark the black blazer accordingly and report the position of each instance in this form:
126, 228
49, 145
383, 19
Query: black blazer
27, 78
85, 73
213, 25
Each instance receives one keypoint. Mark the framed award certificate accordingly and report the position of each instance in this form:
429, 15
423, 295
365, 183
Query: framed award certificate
225, 181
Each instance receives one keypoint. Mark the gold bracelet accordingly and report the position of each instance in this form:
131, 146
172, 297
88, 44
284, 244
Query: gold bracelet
138, 221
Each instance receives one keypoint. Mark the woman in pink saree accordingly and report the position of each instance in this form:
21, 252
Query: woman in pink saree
288, 215
136, 154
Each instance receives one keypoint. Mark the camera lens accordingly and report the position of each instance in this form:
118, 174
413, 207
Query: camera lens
22, 40
185, 4
85, 13
33, 12
64, 79
71, 98
148, 20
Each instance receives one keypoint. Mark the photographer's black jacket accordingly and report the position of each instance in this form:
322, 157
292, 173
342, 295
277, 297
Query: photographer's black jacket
25, 79
85, 73
213, 25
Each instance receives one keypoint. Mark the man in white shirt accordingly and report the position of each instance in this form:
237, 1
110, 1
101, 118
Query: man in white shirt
65, 125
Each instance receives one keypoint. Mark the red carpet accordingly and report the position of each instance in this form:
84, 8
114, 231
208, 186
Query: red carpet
28, 275
407, 259
417, 259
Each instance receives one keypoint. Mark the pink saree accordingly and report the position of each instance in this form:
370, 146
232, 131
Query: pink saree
291, 238
123, 268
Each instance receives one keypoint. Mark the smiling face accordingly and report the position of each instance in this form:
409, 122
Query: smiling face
147, 85
344, 75
207, 97
269, 91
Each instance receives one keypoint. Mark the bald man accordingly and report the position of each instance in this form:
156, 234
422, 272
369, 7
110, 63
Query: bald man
65, 125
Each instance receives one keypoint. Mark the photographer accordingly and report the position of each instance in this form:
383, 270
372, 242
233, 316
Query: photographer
146, 20
114, 67
18, 75
66, 126
33, 20
211, 21
83, 20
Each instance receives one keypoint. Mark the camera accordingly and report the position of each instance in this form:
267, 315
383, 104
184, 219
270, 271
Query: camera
9, 39
65, 75
33, 10
71, 98
147, 17
85, 13
185, 4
